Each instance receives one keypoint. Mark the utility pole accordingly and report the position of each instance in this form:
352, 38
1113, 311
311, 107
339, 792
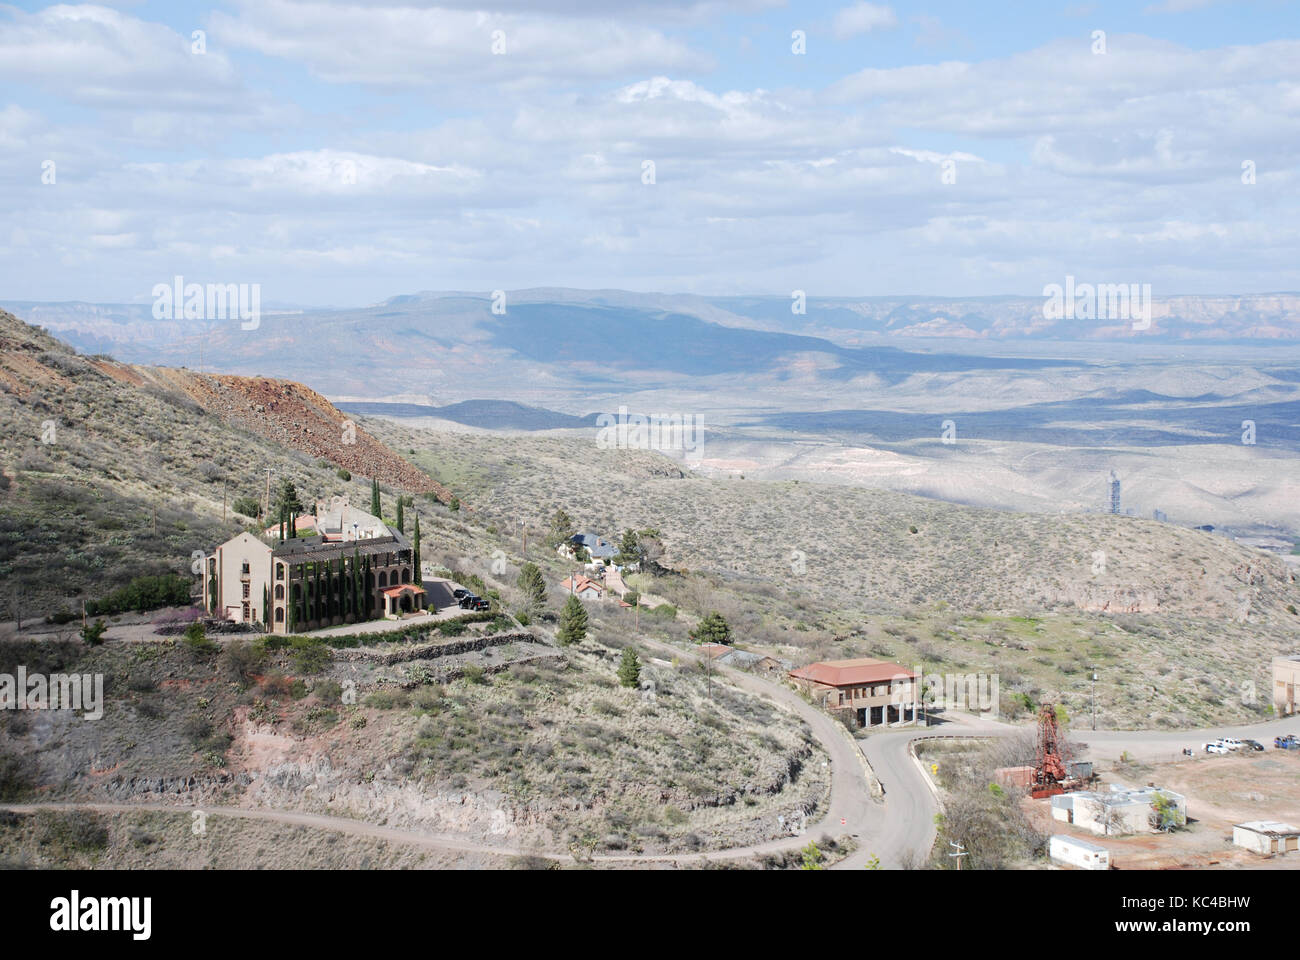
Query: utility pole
1094, 697
961, 852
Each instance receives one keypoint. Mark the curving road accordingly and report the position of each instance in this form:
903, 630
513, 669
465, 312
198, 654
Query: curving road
908, 828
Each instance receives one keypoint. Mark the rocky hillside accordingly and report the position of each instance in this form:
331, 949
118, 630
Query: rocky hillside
110, 471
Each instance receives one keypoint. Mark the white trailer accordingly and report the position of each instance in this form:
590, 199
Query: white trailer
1073, 852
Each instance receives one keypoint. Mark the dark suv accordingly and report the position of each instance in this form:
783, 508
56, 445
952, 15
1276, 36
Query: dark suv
1252, 745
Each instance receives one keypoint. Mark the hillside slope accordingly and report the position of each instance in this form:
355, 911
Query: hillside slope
109, 471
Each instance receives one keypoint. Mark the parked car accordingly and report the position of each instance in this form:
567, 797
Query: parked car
1216, 746
460, 593
1232, 743
479, 604
1252, 745
467, 600
1289, 742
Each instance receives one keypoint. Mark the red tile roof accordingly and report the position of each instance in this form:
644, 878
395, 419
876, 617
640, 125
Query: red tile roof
394, 591
848, 673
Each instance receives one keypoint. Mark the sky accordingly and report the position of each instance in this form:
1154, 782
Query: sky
339, 154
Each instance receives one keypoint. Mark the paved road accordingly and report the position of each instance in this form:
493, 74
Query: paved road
910, 803
850, 792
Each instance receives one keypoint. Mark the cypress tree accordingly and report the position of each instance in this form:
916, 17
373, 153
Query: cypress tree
415, 552
356, 585
374, 497
401, 517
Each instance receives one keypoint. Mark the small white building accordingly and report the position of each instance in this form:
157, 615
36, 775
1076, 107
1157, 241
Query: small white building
1073, 852
1117, 810
1266, 836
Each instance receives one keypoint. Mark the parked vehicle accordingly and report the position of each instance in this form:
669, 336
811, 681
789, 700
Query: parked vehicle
1252, 745
479, 603
467, 600
460, 593
1216, 746
1289, 742
1232, 743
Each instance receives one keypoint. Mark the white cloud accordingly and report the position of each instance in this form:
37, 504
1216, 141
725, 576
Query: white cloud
861, 18
101, 57
447, 50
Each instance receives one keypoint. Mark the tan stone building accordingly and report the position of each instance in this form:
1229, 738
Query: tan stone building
873, 692
312, 582
1286, 681
238, 579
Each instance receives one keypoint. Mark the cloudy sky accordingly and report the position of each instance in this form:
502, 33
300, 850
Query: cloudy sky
344, 153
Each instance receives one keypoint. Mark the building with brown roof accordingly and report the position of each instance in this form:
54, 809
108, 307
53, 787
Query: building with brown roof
311, 582
871, 692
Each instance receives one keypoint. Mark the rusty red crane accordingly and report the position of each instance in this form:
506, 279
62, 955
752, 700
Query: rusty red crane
1051, 773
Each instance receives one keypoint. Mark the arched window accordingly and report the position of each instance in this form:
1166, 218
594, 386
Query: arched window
279, 571
383, 579
279, 614
406, 575
279, 591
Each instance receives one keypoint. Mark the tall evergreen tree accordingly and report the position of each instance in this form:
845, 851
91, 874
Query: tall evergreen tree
629, 550
367, 596
374, 497
573, 622
629, 669
401, 516
356, 585
415, 552
534, 588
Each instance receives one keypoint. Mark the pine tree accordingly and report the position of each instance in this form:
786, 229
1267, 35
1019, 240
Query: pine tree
712, 629
401, 517
374, 497
534, 588
629, 551
629, 669
573, 622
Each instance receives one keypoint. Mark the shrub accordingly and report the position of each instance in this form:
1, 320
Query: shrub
143, 593
243, 660
310, 655
93, 633
198, 642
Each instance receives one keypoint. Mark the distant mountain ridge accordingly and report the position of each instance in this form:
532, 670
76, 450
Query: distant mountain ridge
488, 414
549, 340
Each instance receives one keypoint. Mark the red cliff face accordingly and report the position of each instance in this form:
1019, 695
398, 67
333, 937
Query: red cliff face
296, 416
